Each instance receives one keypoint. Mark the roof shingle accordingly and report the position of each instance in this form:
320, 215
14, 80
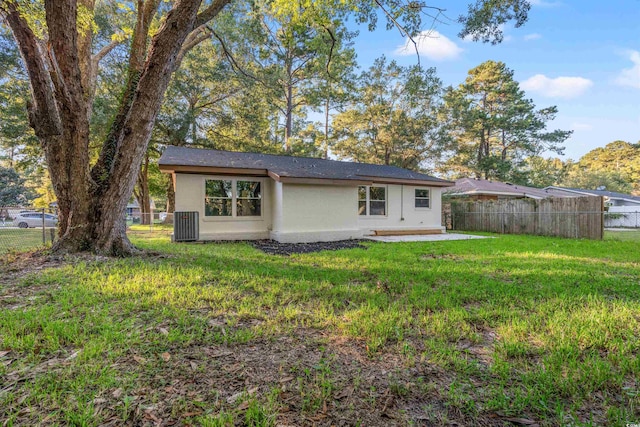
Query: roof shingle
289, 166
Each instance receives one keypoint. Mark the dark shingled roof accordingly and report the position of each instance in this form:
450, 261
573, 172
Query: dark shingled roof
472, 186
289, 166
604, 193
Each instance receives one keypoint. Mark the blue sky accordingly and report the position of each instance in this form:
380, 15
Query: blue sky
583, 56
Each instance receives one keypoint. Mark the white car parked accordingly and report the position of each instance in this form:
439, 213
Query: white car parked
34, 219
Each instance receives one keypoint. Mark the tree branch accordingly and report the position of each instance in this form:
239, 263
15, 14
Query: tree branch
105, 51
194, 38
61, 16
211, 12
44, 116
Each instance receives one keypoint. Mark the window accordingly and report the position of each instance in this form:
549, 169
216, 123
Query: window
248, 198
372, 201
422, 198
218, 198
232, 198
362, 200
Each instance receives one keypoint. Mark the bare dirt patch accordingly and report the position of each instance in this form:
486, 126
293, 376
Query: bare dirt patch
314, 380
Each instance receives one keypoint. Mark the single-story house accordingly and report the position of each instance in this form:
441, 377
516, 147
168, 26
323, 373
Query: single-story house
623, 210
474, 189
249, 196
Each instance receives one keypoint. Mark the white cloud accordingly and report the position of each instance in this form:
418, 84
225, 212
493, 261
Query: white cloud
560, 87
432, 45
631, 76
581, 126
532, 36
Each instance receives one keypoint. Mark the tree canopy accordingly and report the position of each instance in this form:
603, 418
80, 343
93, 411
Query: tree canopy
94, 136
494, 127
12, 189
392, 118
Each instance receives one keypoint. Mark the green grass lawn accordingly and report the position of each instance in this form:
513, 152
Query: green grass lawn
625, 235
483, 332
18, 239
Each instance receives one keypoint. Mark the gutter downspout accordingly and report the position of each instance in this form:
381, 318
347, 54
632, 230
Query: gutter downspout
402, 202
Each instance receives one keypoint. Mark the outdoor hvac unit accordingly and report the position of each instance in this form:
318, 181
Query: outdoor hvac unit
185, 226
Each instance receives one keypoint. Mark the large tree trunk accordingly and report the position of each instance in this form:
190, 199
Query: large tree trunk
92, 201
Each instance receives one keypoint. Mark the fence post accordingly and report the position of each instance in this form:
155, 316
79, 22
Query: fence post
44, 235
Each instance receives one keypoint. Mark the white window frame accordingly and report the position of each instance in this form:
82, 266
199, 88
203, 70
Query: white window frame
422, 208
234, 199
238, 198
204, 210
368, 201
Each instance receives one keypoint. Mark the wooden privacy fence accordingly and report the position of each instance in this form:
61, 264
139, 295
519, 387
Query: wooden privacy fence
576, 217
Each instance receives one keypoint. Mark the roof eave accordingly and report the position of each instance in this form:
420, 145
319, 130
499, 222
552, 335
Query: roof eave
416, 182
211, 170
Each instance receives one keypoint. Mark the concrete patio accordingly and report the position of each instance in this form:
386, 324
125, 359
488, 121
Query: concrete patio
426, 238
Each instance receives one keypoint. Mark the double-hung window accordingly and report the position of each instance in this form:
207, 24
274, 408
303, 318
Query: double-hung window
423, 198
248, 198
218, 200
232, 198
372, 201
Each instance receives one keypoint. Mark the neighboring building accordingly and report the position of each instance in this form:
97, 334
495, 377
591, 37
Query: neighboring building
134, 212
623, 210
299, 199
481, 189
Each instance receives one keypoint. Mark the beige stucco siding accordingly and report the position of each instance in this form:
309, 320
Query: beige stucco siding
401, 204
307, 213
295, 213
190, 196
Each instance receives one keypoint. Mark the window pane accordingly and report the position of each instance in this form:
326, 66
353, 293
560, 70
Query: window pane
362, 207
362, 193
248, 189
422, 193
216, 188
377, 193
422, 203
217, 207
248, 207
377, 208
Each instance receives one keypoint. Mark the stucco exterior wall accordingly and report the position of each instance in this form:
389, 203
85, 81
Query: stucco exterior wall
295, 213
315, 213
401, 204
190, 196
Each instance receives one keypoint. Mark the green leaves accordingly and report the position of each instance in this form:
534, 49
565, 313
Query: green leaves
486, 18
392, 119
493, 126
12, 189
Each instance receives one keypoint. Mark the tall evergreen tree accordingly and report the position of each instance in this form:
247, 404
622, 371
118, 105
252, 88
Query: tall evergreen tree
493, 126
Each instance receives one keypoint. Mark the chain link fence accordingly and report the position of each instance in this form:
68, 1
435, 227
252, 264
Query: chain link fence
156, 222
26, 228
622, 219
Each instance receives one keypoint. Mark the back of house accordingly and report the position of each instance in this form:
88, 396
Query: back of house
251, 196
